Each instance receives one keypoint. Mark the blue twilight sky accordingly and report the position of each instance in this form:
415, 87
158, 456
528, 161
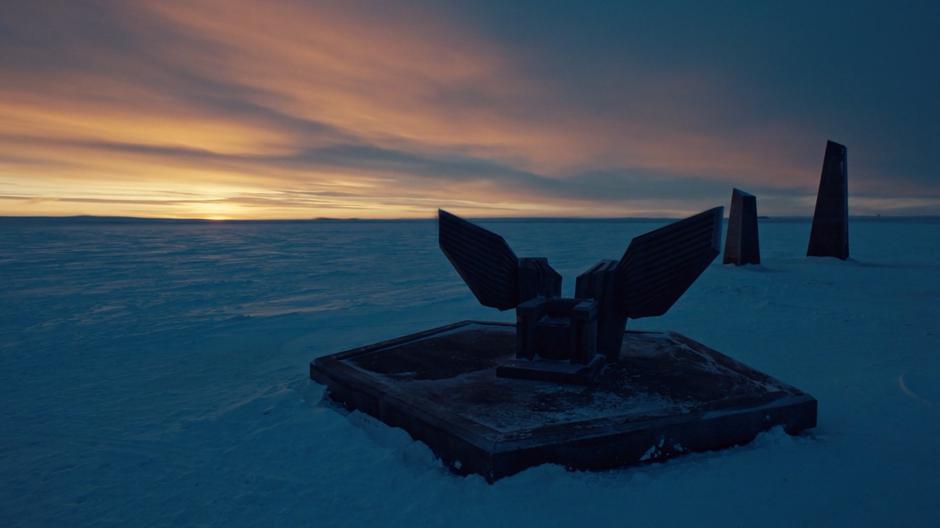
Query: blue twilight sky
233, 109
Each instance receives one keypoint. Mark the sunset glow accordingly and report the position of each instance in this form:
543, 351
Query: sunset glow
231, 109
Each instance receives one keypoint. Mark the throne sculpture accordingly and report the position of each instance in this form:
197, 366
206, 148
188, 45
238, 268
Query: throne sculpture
570, 339
494, 398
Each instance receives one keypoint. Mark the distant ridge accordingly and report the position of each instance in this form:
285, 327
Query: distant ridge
89, 219
86, 219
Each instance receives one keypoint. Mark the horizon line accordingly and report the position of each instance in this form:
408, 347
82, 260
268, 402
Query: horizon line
167, 219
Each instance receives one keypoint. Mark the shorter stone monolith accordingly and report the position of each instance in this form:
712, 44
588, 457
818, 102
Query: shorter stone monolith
742, 244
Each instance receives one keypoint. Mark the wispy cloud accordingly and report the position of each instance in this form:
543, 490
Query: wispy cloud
293, 109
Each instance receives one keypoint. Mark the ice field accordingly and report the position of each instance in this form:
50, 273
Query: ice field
155, 374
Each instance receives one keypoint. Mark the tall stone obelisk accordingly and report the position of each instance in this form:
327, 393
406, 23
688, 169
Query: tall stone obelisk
830, 234
741, 244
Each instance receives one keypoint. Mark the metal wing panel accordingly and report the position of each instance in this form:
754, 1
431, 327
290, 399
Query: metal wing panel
537, 278
659, 266
482, 258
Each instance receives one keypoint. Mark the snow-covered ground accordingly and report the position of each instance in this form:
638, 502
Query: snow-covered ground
156, 374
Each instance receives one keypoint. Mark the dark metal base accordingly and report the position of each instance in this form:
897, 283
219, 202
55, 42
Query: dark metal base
557, 371
667, 396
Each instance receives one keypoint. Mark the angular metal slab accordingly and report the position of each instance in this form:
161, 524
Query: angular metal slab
667, 396
557, 371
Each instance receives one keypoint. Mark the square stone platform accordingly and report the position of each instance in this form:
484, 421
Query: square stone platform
668, 395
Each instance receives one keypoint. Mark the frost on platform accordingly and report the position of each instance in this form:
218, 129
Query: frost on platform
667, 395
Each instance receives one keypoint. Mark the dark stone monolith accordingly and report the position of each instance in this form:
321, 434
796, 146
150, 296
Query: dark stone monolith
741, 244
830, 234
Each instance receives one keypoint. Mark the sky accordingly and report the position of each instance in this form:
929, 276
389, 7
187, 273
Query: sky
231, 109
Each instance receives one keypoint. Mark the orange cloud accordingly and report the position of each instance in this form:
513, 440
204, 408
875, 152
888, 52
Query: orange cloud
281, 110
